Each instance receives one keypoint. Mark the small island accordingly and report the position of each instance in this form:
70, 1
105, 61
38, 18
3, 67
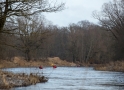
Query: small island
10, 80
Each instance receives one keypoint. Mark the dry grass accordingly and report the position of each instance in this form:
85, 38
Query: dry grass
9, 80
5, 64
59, 62
20, 62
112, 66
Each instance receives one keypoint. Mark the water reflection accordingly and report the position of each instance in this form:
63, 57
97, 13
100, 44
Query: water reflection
74, 78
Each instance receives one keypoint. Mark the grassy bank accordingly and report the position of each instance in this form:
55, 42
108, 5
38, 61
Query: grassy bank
9, 80
111, 66
20, 62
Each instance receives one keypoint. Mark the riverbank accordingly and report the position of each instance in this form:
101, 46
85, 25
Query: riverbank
111, 66
20, 62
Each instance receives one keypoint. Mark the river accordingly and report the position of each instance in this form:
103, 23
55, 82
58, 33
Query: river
73, 78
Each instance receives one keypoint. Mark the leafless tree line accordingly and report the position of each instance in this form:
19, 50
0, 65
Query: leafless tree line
79, 42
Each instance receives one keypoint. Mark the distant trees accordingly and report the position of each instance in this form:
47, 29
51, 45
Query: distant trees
81, 42
86, 42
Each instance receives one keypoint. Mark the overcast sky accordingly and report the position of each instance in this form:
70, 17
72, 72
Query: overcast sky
76, 10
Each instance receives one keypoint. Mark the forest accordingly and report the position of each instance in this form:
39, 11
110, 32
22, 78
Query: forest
28, 34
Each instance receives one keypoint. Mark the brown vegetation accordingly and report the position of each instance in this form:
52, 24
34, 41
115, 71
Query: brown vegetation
59, 62
112, 66
20, 62
9, 80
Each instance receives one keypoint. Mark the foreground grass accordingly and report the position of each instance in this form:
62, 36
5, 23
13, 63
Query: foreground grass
112, 66
9, 79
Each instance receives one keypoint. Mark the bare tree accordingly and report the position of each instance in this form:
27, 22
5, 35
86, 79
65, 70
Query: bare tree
112, 19
10, 8
31, 35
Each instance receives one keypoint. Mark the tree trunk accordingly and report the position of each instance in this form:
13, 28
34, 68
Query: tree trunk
3, 17
27, 56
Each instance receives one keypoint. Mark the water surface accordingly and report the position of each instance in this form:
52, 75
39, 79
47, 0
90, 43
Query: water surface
74, 78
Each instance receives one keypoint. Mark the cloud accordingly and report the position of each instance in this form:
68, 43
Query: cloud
76, 10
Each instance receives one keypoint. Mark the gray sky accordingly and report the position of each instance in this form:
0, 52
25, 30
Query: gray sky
76, 10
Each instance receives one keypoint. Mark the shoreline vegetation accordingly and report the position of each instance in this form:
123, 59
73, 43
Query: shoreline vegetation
117, 66
20, 62
9, 79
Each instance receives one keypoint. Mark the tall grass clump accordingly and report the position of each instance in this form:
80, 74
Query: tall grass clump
9, 79
111, 66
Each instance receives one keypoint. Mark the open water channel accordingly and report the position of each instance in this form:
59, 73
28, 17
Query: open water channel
74, 78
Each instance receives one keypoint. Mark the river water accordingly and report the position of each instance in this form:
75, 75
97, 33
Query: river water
74, 78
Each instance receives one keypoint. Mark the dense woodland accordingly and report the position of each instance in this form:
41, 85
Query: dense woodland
31, 36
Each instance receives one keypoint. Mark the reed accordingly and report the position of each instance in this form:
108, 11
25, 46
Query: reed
9, 80
111, 66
